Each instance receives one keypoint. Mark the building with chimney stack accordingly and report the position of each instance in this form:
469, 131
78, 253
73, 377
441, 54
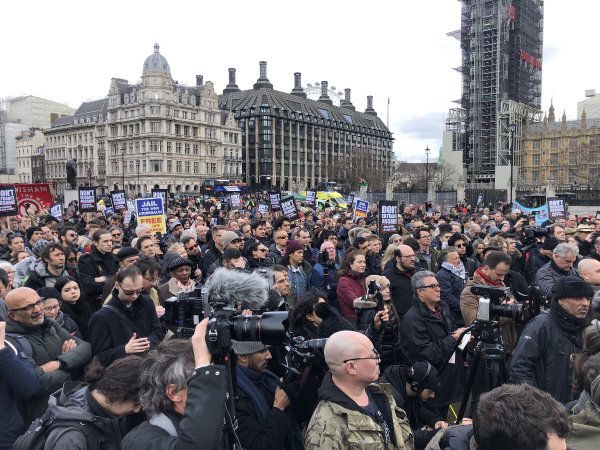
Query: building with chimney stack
165, 135
291, 142
502, 46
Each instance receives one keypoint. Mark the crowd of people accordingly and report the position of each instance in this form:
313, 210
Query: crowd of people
87, 357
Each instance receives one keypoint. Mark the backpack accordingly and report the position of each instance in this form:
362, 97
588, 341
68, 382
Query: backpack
39, 430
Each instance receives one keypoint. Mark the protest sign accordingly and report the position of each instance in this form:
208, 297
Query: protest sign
130, 206
119, 200
556, 208
33, 195
288, 208
275, 197
361, 208
310, 198
350, 203
151, 211
540, 213
127, 217
162, 193
263, 208
87, 199
388, 217
235, 200
56, 210
8, 200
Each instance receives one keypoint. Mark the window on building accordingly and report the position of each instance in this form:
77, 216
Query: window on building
178, 147
554, 158
169, 149
196, 167
187, 149
187, 166
178, 165
169, 166
156, 165
535, 160
554, 143
196, 149
155, 126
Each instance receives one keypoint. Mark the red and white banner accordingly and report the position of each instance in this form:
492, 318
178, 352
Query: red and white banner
36, 194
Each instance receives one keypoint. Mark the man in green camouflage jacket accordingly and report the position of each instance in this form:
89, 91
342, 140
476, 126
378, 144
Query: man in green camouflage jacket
354, 412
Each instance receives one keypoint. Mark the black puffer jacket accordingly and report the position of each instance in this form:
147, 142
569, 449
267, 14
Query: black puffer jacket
542, 356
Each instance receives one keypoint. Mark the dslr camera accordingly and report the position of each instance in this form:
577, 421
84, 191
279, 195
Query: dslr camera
490, 303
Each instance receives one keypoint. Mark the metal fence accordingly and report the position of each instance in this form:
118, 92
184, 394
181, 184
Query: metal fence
443, 200
489, 196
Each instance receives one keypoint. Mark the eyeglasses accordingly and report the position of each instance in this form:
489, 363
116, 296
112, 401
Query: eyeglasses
195, 247
29, 308
51, 308
151, 280
116, 234
432, 286
408, 256
281, 237
71, 259
376, 356
135, 292
261, 249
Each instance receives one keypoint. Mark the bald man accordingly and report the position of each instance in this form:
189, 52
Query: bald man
589, 270
400, 275
354, 410
52, 352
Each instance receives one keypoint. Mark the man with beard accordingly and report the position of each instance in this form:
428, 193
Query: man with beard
54, 354
50, 267
542, 356
400, 276
354, 411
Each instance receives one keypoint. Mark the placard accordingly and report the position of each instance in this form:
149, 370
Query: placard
87, 199
8, 200
310, 198
119, 200
235, 200
540, 213
109, 212
350, 202
131, 206
388, 217
151, 211
263, 208
597, 214
56, 210
361, 209
162, 193
288, 208
275, 198
33, 195
127, 217
556, 208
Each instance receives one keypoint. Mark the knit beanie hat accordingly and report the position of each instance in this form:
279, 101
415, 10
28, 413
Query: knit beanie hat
247, 347
293, 246
571, 286
425, 376
550, 243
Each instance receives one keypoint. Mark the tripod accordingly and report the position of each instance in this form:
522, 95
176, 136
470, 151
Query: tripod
489, 350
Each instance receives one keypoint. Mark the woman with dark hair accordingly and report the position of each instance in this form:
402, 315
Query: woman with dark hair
52, 310
69, 296
71, 260
112, 394
257, 256
351, 283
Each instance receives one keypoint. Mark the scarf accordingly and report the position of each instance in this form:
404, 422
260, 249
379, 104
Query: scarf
458, 271
572, 326
486, 279
253, 383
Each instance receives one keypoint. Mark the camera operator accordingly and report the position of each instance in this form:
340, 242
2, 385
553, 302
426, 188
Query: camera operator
183, 395
323, 276
542, 356
261, 405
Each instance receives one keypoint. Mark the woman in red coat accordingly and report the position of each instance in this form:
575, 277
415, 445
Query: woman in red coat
351, 283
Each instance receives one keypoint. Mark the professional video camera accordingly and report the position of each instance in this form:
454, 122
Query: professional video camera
531, 235
490, 303
302, 353
184, 311
533, 299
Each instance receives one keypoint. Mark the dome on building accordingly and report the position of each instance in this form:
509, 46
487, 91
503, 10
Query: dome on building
156, 63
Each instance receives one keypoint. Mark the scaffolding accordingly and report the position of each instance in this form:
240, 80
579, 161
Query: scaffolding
455, 123
501, 43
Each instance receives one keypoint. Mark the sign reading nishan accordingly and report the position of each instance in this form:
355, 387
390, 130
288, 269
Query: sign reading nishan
151, 211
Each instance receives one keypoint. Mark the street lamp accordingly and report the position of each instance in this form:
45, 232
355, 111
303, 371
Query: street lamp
123, 167
427, 168
137, 165
511, 132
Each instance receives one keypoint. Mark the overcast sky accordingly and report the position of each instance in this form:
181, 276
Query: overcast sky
68, 51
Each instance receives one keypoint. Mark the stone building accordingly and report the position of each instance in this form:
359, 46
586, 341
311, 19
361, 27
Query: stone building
30, 156
564, 153
81, 136
292, 142
163, 134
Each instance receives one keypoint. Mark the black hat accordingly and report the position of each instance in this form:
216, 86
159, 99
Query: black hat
571, 286
30, 232
126, 252
48, 292
179, 262
425, 376
550, 243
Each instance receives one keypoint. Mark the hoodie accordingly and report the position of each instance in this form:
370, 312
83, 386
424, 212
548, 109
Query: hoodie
40, 277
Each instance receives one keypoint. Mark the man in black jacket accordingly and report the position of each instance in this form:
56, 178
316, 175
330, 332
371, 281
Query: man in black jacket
261, 405
400, 276
429, 335
542, 356
50, 267
128, 323
183, 396
96, 267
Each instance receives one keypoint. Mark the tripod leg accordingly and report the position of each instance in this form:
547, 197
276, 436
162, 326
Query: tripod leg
469, 386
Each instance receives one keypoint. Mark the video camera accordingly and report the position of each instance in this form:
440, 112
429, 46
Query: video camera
490, 303
374, 288
531, 235
184, 311
301, 354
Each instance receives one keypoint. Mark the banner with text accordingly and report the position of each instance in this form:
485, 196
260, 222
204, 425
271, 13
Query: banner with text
388, 217
119, 200
350, 203
56, 210
151, 211
235, 200
310, 198
263, 208
556, 207
87, 199
540, 213
8, 200
288, 208
35, 195
275, 198
361, 207
162, 193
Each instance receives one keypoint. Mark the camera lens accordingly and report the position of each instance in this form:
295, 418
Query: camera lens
270, 328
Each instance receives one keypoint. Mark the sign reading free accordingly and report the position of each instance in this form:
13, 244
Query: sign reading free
151, 211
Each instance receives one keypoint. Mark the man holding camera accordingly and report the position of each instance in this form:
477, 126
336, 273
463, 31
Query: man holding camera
542, 356
261, 406
183, 396
324, 274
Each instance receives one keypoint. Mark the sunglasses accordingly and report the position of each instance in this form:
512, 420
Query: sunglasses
134, 292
